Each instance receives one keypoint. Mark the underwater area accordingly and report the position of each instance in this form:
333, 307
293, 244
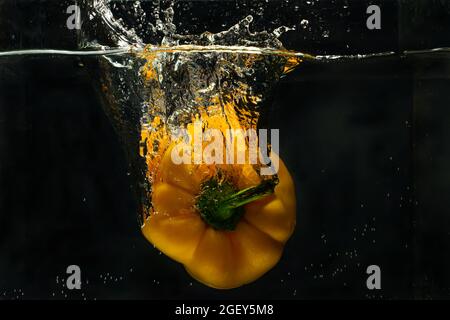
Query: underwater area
362, 114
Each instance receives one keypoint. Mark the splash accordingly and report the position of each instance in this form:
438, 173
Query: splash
224, 80
223, 89
152, 22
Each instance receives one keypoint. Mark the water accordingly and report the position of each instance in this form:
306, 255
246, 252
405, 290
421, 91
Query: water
53, 52
175, 76
237, 49
159, 78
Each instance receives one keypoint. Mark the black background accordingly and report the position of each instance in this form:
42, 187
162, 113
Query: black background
367, 143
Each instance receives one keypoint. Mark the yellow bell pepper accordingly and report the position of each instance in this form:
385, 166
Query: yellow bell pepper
224, 223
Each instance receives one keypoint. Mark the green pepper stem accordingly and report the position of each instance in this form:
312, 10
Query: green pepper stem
220, 204
245, 196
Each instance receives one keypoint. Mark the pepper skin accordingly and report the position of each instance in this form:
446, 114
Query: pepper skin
220, 257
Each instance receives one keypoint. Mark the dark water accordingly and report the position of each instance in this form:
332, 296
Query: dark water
367, 144
366, 141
